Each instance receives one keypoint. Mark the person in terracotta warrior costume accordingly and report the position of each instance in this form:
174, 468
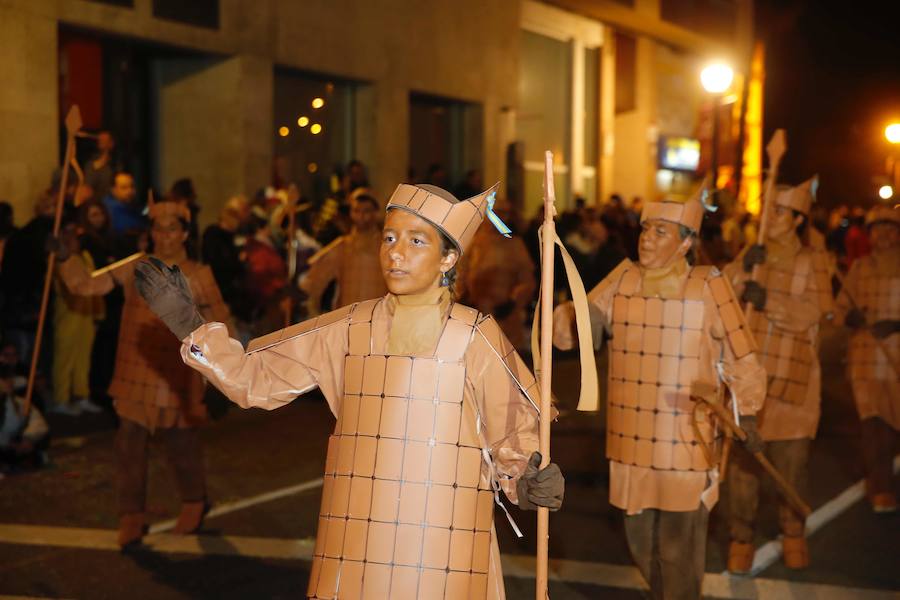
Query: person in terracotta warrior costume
436, 413
351, 260
154, 392
677, 331
791, 295
870, 305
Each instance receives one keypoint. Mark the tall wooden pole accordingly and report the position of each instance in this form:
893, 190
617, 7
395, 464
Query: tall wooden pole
775, 150
547, 255
73, 124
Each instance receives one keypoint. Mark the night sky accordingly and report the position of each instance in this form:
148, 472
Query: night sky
833, 82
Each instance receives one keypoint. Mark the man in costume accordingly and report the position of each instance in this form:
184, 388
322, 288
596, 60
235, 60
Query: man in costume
676, 330
436, 413
154, 392
869, 304
351, 260
791, 295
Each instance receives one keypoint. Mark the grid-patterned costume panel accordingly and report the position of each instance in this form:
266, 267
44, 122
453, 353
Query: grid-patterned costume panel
655, 354
787, 356
407, 509
878, 296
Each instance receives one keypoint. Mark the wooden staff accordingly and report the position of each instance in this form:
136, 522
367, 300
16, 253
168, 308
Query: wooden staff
786, 488
548, 239
73, 124
775, 150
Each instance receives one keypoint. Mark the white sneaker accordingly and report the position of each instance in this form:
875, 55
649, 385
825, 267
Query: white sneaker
85, 405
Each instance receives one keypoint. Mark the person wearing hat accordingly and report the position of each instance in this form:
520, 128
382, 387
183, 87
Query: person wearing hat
791, 294
436, 413
677, 331
153, 391
869, 304
351, 260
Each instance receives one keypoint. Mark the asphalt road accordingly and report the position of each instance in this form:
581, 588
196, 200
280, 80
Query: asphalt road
57, 530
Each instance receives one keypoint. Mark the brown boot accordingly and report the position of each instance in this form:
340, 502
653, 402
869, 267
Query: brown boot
740, 557
191, 517
796, 553
884, 503
131, 529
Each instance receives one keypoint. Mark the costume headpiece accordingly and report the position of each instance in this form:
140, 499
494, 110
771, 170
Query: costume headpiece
168, 208
800, 197
689, 213
883, 214
457, 219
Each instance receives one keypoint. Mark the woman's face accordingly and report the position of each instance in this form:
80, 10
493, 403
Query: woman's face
168, 237
96, 218
782, 221
412, 261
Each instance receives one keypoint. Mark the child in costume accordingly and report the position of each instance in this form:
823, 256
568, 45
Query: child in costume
435, 411
791, 295
869, 304
675, 328
154, 392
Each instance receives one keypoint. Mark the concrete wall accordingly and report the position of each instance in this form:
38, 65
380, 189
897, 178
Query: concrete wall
463, 49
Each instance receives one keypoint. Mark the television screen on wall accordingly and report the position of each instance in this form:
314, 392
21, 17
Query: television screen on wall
679, 153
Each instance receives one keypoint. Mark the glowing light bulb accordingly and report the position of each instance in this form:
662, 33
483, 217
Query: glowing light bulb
716, 77
892, 133
283, 131
303, 121
312, 167
318, 103
885, 192
315, 129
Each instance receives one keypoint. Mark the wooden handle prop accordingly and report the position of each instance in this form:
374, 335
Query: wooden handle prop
775, 150
547, 255
73, 124
786, 488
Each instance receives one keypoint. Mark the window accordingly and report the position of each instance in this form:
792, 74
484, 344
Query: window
202, 13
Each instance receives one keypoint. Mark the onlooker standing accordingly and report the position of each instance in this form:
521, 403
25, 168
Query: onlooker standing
7, 226
220, 250
100, 169
124, 215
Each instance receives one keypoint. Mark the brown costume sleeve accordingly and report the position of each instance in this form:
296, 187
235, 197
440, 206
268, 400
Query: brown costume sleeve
278, 367
843, 304
324, 267
78, 280
507, 397
738, 364
599, 305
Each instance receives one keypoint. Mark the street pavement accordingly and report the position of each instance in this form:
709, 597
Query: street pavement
57, 529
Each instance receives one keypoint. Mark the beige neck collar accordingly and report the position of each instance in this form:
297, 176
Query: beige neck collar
418, 321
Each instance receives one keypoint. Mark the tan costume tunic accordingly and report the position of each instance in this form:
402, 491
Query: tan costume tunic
664, 344
352, 260
407, 504
798, 296
494, 272
150, 385
874, 283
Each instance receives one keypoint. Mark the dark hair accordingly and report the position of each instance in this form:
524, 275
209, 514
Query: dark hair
448, 246
83, 211
183, 188
804, 224
685, 233
367, 199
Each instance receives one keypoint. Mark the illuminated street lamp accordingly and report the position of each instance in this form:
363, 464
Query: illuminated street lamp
885, 192
892, 133
716, 79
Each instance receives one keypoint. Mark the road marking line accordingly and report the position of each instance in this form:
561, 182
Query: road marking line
224, 509
770, 552
518, 566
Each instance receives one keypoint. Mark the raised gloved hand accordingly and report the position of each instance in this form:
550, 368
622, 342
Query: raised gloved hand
884, 328
754, 443
755, 255
755, 294
855, 318
168, 294
540, 487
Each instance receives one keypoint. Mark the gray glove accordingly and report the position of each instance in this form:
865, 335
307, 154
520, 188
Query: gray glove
755, 255
754, 443
885, 328
168, 294
755, 294
540, 487
855, 318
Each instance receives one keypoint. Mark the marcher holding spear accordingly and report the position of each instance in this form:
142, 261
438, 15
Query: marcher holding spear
787, 289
